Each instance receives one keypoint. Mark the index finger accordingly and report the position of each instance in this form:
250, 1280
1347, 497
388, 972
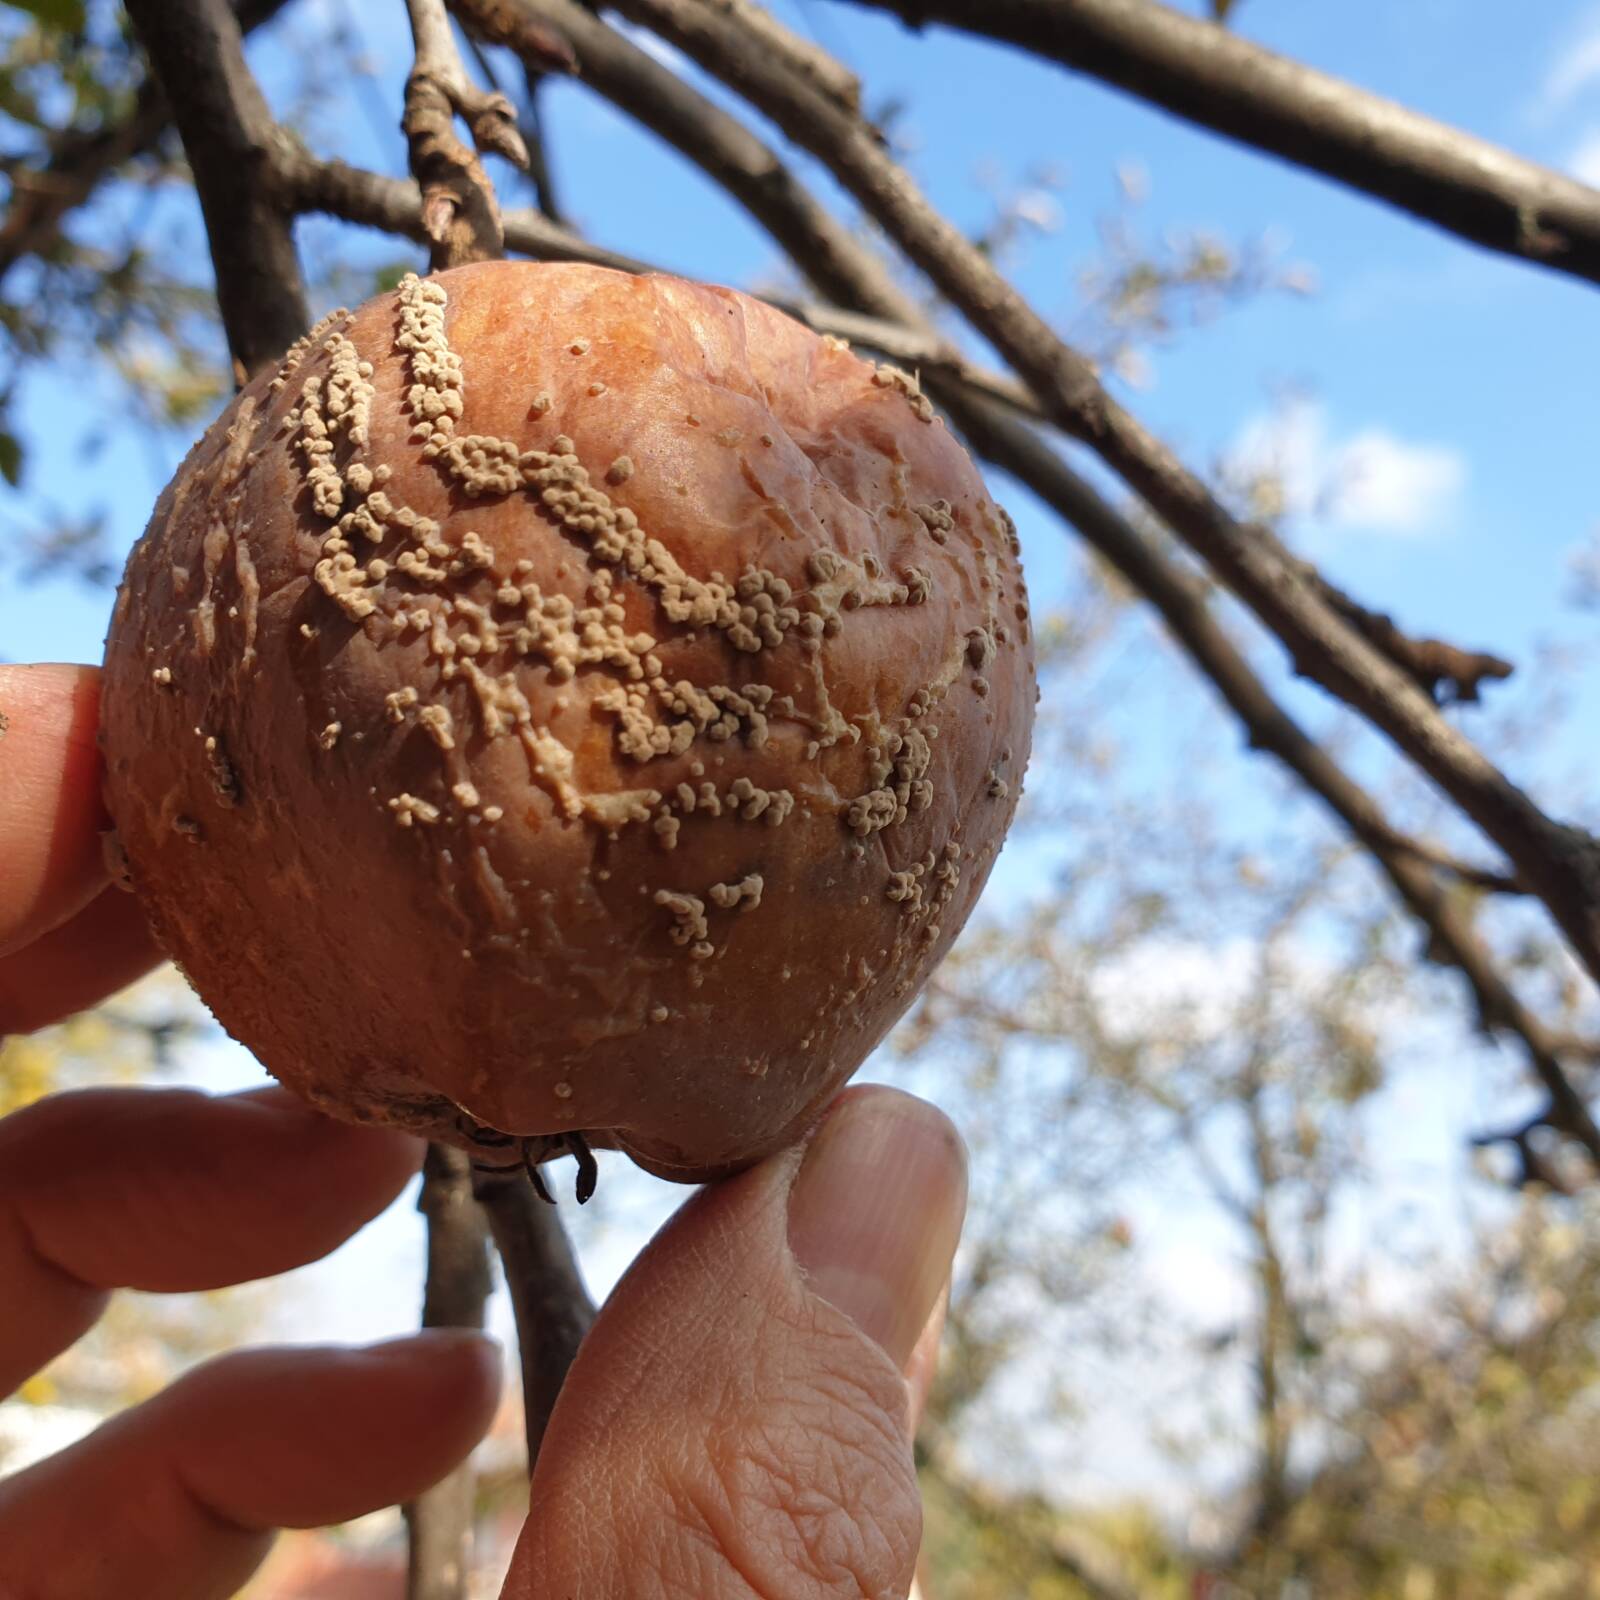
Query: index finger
51, 814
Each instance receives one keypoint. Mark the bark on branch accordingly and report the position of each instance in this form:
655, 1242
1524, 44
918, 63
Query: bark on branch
1447, 674
1210, 76
548, 1297
196, 52
460, 213
1560, 864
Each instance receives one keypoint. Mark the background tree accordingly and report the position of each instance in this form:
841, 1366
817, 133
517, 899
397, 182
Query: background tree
1193, 997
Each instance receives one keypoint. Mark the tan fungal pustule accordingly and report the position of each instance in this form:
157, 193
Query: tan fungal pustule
408, 809
900, 784
590, 654
304, 345
654, 715
936, 518
746, 892
888, 377
929, 883
689, 926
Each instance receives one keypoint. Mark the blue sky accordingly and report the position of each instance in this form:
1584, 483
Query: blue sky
1450, 392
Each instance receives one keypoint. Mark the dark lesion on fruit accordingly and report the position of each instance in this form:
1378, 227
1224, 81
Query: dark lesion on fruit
527, 1152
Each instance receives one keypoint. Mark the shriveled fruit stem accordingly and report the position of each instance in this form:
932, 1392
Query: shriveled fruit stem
552, 1307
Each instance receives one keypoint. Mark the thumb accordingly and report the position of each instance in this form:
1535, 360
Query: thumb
738, 1419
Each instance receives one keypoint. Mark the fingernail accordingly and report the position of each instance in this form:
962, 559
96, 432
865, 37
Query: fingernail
876, 1211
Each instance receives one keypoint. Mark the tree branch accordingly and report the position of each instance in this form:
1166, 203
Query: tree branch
196, 53
551, 1304
459, 211
1212, 77
42, 196
1491, 880
806, 59
439, 1521
1561, 864
1447, 674
530, 124
1183, 604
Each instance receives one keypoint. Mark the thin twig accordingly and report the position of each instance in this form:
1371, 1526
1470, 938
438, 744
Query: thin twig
809, 60
530, 125
1534, 1165
551, 1304
439, 1521
540, 167
196, 53
1212, 77
1444, 672
1560, 863
1491, 880
461, 218
459, 211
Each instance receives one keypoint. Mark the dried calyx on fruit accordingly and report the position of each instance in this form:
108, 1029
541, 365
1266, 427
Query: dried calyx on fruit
564, 704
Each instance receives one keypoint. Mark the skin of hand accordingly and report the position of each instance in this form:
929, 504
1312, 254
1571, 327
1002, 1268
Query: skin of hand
738, 1422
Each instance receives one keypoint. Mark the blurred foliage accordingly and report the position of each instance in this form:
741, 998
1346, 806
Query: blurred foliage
99, 290
129, 1039
1205, 1019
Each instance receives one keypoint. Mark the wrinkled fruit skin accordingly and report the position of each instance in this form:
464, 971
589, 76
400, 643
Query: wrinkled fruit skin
557, 700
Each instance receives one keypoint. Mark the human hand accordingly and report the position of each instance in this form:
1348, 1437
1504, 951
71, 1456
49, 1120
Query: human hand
169, 1190
738, 1420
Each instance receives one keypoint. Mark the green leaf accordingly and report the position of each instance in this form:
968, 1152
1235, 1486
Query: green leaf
10, 459
65, 16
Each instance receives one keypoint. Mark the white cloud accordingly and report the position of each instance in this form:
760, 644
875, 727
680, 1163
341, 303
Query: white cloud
1371, 481
1390, 485
1187, 985
1584, 162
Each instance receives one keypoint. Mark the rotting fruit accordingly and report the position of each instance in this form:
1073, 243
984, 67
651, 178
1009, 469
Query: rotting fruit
558, 703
